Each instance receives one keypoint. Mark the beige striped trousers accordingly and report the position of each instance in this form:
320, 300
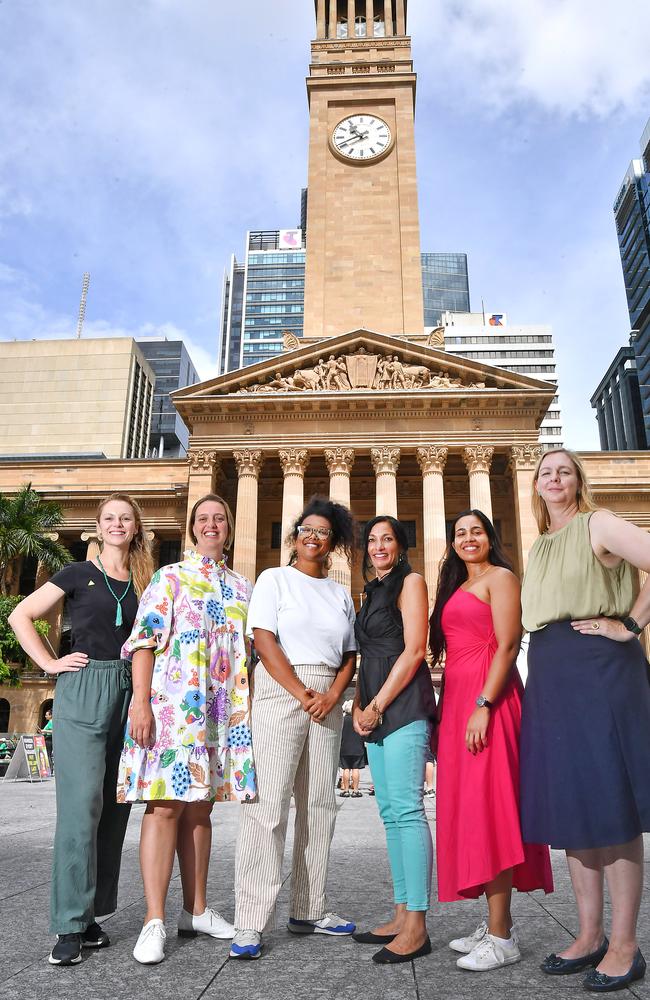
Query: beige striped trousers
293, 755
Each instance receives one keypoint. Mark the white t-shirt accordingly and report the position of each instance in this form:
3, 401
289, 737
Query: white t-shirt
313, 619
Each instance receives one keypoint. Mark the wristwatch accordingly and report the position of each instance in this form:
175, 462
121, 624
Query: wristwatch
482, 702
632, 626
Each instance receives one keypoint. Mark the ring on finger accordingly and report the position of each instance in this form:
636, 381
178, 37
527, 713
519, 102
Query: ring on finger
595, 626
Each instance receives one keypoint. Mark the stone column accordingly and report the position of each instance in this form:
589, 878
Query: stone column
204, 467
385, 462
294, 463
93, 546
351, 17
248, 465
339, 463
320, 19
478, 459
370, 18
401, 18
332, 29
432, 463
523, 459
388, 16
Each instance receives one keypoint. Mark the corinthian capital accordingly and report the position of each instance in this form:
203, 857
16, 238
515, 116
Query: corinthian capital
203, 461
248, 462
294, 461
339, 461
478, 457
385, 460
432, 459
524, 457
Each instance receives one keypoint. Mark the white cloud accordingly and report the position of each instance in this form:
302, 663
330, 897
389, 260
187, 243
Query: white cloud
572, 57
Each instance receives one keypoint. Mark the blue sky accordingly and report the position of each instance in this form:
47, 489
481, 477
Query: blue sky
142, 138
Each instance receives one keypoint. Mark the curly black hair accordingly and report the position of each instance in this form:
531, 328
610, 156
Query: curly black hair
340, 520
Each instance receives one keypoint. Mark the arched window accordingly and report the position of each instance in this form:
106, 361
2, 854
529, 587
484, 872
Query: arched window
342, 27
5, 712
360, 27
380, 26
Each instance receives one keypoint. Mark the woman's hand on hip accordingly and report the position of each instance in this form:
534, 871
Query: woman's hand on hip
476, 732
609, 628
321, 705
142, 725
73, 662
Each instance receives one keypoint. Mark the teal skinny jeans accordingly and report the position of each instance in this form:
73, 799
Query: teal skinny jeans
397, 766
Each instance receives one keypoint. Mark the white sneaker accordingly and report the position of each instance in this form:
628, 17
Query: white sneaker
210, 922
150, 946
490, 953
467, 944
246, 944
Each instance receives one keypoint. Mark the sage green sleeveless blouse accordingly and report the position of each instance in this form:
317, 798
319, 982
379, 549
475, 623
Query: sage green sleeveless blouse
565, 581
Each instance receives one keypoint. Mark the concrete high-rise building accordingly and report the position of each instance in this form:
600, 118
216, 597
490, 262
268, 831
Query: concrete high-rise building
173, 369
617, 402
529, 350
632, 214
75, 398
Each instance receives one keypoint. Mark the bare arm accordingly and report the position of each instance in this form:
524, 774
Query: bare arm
505, 599
22, 620
414, 604
275, 662
141, 721
614, 539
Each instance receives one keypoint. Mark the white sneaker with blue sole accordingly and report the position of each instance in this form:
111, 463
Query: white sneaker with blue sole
246, 944
331, 923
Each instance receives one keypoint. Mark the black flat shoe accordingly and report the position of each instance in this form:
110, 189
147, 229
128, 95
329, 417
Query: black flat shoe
553, 965
598, 982
386, 957
367, 937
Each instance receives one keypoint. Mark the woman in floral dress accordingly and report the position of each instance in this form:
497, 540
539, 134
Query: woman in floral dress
188, 742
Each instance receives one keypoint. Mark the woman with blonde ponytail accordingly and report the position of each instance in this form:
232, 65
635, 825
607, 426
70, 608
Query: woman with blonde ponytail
90, 711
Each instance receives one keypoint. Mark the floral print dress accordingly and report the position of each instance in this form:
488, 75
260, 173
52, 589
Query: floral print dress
193, 616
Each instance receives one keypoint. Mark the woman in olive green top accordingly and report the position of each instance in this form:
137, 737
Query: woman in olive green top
585, 733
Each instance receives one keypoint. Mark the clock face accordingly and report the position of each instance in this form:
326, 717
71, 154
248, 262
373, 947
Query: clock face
362, 138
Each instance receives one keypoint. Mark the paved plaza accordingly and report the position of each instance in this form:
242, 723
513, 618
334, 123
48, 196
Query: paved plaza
291, 968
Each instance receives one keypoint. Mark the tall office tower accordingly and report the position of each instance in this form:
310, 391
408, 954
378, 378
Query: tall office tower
445, 285
173, 369
488, 337
263, 298
617, 402
632, 214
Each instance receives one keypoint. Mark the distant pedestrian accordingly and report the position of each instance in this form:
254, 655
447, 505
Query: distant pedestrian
92, 698
353, 756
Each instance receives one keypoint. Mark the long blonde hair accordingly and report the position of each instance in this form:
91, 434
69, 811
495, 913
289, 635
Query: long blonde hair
584, 497
140, 555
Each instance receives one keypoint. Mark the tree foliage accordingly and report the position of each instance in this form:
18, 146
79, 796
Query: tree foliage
13, 659
26, 525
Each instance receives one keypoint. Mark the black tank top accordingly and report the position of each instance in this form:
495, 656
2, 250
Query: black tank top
380, 634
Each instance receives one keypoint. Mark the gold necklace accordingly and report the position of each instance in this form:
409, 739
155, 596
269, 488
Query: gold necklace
479, 575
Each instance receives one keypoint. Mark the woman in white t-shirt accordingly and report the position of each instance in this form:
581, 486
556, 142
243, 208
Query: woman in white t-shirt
303, 626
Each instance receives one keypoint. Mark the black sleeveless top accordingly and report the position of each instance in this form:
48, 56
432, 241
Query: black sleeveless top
380, 634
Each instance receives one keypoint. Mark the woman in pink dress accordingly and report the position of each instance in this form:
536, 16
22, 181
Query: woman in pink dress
476, 624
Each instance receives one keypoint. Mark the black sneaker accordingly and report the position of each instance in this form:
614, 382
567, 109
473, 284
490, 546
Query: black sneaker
95, 937
67, 950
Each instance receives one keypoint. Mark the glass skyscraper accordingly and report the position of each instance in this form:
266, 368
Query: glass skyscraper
263, 298
173, 369
445, 285
632, 214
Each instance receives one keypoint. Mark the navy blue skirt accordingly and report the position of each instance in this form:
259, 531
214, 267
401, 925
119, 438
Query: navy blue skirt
585, 740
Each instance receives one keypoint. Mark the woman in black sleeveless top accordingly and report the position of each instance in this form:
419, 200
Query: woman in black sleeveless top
394, 709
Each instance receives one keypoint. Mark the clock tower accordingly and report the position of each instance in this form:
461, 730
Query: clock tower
363, 246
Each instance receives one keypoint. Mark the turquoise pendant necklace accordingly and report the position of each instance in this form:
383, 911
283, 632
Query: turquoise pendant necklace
118, 613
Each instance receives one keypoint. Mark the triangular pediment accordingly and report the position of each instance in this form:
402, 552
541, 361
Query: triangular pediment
360, 362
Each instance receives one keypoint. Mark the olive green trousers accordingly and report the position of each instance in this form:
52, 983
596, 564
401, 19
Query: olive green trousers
90, 714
